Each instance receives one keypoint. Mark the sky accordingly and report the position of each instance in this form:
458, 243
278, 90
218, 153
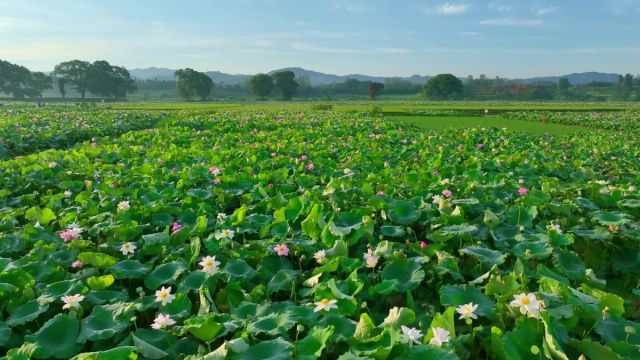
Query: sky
515, 39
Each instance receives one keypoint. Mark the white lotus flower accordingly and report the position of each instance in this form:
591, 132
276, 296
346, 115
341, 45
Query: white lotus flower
225, 234
527, 303
328, 191
467, 311
313, 281
72, 301
123, 206
554, 227
440, 336
67, 193
128, 248
370, 259
320, 256
411, 335
164, 295
221, 216
326, 305
209, 264
162, 321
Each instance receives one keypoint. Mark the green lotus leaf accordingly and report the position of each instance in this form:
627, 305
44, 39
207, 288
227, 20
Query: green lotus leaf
272, 325
408, 274
403, 212
105, 321
344, 223
532, 250
607, 218
100, 282
129, 269
119, 353
456, 295
310, 348
484, 254
239, 269
27, 312
147, 350
569, 264
57, 337
98, 260
459, 230
277, 349
165, 274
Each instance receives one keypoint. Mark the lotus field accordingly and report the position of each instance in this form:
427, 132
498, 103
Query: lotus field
314, 235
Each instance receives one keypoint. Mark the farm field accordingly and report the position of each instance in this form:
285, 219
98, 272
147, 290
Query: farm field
268, 231
441, 123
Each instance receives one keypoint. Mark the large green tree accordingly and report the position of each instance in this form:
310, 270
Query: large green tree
443, 86
285, 84
193, 84
106, 80
19, 82
75, 73
563, 86
374, 89
261, 85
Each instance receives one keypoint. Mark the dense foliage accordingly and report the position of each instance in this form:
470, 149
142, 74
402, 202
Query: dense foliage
626, 120
99, 78
283, 235
19, 82
24, 130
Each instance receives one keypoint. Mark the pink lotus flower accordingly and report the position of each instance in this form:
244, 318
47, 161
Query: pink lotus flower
309, 166
380, 193
70, 234
215, 170
447, 193
423, 244
273, 154
523, 191
77, 264
270, 185
480, 146
303, 157
281, 249
176, 226
216, 181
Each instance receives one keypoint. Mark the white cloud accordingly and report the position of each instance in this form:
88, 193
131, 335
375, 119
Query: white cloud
263, 43
545, 10
452, 9
302, 46
513, 22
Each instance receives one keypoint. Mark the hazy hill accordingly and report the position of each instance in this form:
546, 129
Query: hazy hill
319, 78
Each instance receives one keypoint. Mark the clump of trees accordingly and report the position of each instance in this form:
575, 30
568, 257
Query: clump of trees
283, 82
625, 87
374, 89
443, 87
19, 82
261, 85
193, 83
99, 78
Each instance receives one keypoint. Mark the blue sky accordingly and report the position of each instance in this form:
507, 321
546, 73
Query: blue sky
376, 37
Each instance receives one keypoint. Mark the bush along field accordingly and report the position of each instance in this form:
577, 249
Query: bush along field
626, 120
304, 235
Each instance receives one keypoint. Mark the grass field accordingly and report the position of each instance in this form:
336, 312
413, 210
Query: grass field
389, 106
457, 122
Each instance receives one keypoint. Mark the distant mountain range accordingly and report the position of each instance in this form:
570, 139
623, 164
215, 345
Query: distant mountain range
318, 78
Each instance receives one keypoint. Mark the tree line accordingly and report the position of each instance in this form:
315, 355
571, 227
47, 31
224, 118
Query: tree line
98, 78
104, 80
